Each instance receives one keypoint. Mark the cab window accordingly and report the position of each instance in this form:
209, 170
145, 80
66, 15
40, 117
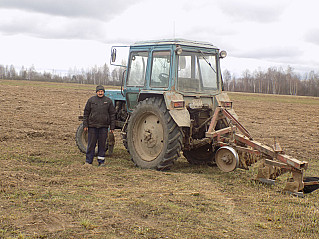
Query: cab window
160, 69
137, 69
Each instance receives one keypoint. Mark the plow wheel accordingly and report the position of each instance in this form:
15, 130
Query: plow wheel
226, 159
199, 156
153, 138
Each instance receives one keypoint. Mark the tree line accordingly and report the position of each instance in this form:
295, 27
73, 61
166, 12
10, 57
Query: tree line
97, 75
274, 80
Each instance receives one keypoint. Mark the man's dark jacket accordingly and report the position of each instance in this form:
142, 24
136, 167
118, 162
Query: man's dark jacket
99, 112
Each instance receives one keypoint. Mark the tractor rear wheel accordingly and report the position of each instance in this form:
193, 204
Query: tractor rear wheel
124, 137
153, 138
200, 156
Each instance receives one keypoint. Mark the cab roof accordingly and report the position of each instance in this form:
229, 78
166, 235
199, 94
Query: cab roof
177, 42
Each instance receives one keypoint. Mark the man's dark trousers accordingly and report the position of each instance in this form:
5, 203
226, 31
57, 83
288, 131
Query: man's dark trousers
96, 135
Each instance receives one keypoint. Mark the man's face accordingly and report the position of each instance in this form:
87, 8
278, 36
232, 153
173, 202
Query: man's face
100, 93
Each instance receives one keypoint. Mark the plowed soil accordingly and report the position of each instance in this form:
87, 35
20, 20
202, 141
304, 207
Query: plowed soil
46, 192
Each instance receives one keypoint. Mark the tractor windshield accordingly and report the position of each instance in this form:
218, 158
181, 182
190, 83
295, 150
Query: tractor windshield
197, 72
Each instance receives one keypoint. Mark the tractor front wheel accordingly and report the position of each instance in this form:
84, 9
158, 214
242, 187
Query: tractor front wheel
81, 139
153, 138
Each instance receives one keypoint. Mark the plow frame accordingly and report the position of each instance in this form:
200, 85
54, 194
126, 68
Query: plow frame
275, 161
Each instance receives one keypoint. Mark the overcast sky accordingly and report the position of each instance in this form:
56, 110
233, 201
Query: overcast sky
62, 34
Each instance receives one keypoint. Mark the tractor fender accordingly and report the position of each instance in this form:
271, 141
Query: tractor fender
179, 114
224, 98
181, 117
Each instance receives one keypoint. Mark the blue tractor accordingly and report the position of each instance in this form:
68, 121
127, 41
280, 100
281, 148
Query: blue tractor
171, 101
169, 92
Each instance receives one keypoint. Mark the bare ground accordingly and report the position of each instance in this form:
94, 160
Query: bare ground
46, 192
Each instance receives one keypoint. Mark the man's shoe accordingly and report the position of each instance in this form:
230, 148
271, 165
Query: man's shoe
87, 164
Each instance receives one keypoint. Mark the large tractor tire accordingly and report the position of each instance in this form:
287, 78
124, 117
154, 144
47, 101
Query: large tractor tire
200, 156
81, 138
124, 137
153, 138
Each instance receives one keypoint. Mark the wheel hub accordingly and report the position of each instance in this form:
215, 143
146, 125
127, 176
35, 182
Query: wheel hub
148, 136
227, 159
149, 140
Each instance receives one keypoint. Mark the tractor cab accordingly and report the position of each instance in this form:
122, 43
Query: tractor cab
189, 68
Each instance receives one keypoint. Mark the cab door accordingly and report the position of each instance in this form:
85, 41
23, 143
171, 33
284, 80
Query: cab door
160, 69
149, 70
136, 77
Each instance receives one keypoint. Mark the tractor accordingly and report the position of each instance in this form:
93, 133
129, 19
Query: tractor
171, 101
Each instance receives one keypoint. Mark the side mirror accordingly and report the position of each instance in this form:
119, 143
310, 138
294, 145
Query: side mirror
113, 55
118, 53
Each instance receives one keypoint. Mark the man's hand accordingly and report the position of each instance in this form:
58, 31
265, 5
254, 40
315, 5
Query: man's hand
86, 129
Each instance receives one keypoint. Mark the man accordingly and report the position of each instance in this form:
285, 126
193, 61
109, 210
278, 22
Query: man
99, 114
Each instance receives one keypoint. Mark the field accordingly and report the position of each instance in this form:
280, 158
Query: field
46, 192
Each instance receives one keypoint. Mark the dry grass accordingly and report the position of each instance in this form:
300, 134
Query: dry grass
45, 192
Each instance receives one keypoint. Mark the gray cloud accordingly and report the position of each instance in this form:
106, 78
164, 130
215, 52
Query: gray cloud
253, 10
284, 53
53, 27
312, 36
60, 19
99, 9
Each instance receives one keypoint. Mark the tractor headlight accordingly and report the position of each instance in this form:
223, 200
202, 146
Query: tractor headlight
222, 54
178, 50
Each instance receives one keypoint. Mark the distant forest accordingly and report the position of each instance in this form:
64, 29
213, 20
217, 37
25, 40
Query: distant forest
274, 80
95, 75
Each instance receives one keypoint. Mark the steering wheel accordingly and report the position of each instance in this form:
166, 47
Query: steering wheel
163, 77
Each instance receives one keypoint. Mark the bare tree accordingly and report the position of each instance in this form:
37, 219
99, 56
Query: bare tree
226, 79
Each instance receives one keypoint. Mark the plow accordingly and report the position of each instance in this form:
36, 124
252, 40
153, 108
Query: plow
237, 149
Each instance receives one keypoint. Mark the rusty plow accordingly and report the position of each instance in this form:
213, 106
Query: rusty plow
237, 149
